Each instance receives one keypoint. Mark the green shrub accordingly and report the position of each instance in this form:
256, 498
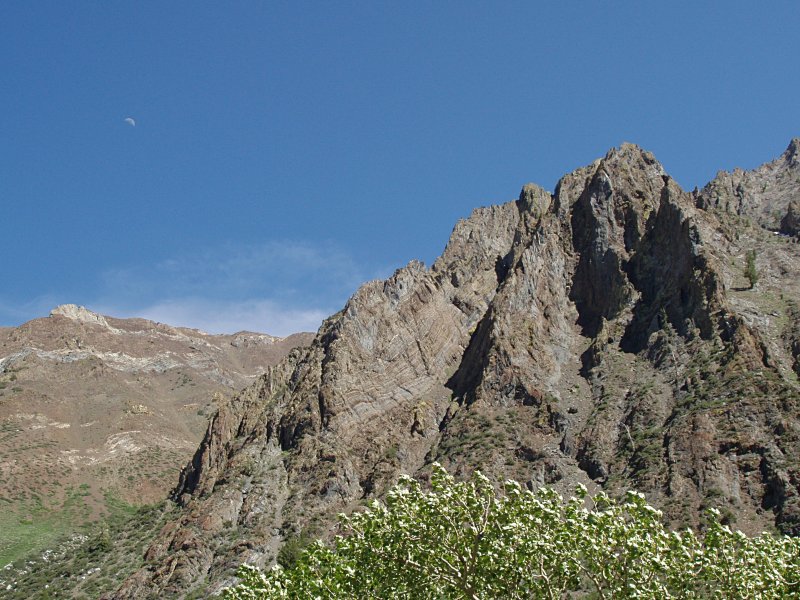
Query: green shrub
292, 550
750, 268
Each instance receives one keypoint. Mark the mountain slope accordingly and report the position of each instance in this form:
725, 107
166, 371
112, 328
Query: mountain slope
602, 334
96, 410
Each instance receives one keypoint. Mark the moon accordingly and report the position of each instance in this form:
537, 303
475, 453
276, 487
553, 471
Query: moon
130, 121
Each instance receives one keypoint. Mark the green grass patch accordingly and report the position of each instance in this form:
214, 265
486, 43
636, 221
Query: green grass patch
86, 567
27, 526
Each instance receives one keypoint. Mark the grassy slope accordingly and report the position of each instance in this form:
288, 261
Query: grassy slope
87, 565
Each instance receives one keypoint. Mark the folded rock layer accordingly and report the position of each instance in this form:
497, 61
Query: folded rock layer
604, 334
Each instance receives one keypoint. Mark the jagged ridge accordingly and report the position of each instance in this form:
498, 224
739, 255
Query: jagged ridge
595, 335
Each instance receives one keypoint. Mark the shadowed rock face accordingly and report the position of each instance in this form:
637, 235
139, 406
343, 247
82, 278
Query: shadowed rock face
599, 335
790, 223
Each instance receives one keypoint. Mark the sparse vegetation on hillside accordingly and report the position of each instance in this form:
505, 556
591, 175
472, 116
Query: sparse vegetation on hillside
86, 565
464, 540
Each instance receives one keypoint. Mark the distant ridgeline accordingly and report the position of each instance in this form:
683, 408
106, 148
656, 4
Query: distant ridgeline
98, 415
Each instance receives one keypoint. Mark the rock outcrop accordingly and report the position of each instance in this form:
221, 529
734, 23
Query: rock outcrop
597, 335
790, 223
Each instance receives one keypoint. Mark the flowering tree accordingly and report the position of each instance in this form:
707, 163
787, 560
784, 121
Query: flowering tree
464, 540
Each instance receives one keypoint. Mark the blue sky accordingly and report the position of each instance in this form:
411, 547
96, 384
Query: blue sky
285, 152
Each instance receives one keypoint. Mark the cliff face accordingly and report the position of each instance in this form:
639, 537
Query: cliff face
602, 334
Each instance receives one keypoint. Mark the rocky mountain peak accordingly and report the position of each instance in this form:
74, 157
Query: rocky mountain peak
792, 154
632, 154
631, 167
534, 200
79, 313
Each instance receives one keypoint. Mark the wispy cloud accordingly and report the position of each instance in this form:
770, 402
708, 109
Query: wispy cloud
279, 269
223, 316
278, 287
